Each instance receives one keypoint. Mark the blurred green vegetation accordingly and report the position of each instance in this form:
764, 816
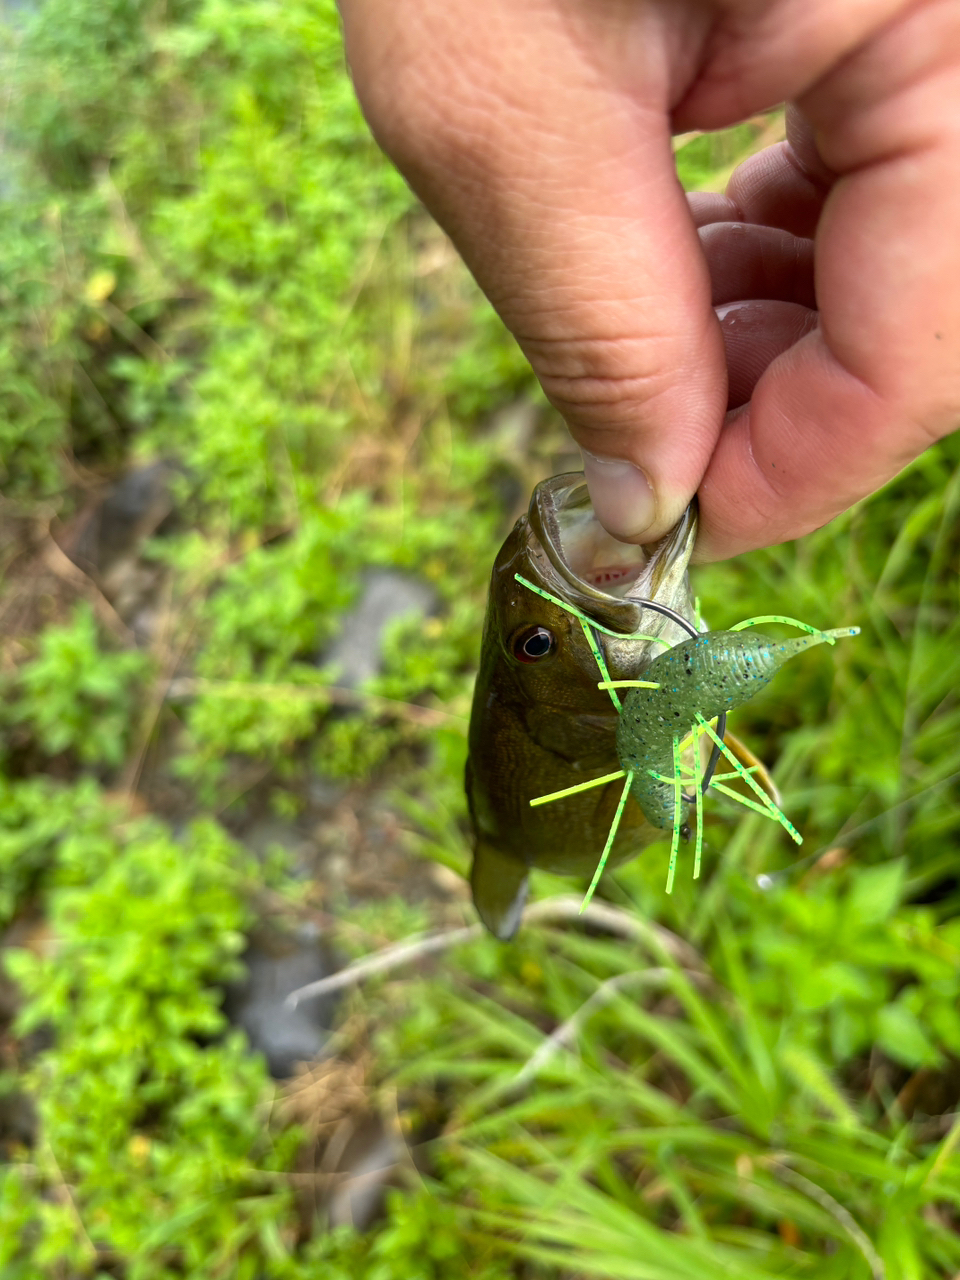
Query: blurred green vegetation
207, 263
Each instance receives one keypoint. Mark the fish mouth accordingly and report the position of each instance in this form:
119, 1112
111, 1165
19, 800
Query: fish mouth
593, 555
605, 577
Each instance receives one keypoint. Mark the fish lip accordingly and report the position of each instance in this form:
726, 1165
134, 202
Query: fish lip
664, 572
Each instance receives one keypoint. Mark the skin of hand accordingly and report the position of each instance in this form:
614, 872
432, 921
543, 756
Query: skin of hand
783, 349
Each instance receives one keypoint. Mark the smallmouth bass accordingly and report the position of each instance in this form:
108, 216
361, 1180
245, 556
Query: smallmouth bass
539, 723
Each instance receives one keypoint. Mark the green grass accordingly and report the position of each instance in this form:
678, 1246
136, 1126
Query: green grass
207, 261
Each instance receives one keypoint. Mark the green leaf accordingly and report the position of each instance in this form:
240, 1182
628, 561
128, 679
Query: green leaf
875, 892
900, 1034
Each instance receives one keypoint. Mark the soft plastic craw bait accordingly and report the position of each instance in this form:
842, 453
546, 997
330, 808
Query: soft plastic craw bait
663, 717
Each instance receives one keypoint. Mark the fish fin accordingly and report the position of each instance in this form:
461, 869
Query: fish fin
499, 885
750, 761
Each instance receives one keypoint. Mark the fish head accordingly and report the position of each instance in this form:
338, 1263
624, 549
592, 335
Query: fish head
561, 548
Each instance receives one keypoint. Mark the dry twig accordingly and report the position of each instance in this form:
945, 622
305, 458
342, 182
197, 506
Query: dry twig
562, 909
59, 563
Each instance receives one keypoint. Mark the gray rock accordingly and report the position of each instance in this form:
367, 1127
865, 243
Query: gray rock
131, 510
357, 653
276, 965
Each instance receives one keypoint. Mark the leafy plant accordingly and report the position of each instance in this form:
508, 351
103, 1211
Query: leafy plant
206, 260
146, 1107
75, 696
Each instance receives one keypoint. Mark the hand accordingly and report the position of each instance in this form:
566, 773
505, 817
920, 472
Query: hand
538, 133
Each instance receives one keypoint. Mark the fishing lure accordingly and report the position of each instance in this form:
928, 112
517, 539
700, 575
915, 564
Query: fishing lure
664, 716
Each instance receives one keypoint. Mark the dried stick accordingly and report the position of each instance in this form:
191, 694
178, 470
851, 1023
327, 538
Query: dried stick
60, 564
558, 910
392, 957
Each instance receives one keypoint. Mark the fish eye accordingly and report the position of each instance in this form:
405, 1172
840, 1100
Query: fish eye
533, 644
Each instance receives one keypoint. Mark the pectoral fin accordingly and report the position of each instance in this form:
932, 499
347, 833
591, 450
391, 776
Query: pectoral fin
499, 885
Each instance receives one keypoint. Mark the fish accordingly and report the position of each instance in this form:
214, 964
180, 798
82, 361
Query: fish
539, 723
